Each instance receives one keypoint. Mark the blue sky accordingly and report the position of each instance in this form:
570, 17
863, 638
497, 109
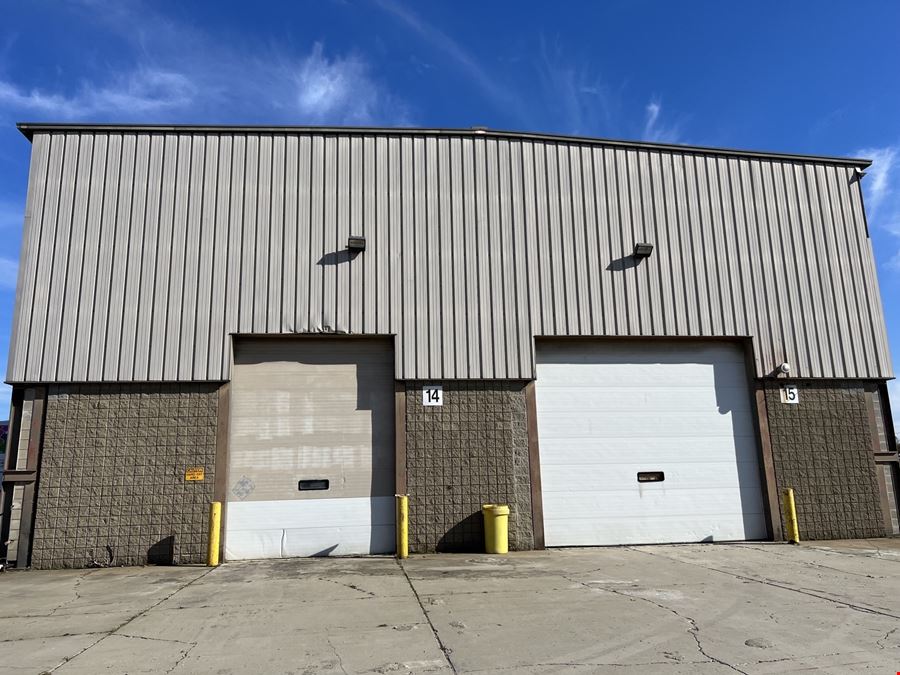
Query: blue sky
807, 77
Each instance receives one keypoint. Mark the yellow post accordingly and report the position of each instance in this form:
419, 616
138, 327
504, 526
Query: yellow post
402, 526
496, 528
215, 525
790, 516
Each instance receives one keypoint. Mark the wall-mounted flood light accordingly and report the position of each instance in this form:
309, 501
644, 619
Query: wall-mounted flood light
784, 369
642, 250
355, 243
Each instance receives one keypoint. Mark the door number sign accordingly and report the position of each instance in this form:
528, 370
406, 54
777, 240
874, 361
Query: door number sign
790, 395
432, 395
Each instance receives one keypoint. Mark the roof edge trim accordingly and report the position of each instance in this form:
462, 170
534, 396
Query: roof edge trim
28, 129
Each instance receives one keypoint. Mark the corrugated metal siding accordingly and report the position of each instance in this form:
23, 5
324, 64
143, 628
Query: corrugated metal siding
144, 251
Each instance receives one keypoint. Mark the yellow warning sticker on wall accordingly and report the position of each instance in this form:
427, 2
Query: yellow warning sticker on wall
194, 473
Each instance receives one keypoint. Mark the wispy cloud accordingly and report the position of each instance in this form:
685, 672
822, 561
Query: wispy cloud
882, 191
880, 173
341, 89
142, 91
178, 72
654, 129
575, 96
9, 271
493, 88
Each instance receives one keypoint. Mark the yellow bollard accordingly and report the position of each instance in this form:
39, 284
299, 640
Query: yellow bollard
215, 523
790, 516
496, 528
402, 526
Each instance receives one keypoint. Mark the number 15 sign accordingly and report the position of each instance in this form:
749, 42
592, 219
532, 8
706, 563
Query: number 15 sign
433, 395
790, 394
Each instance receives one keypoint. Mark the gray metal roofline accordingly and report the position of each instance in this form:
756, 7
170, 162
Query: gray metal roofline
28, 129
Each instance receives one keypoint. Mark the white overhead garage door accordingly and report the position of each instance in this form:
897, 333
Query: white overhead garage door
646, 442
311, 452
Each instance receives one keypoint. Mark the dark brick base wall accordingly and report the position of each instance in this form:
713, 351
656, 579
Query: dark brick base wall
112, 474
822, 448
471, 451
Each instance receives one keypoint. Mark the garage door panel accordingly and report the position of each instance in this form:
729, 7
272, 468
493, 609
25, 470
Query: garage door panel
253, 544
640, 531
348, 540
678, 476
308, 528
303, 542
637, 424
673, 399
610, 409
294, 514
587, 450
342, 482
656, 503
640, 352
634, 376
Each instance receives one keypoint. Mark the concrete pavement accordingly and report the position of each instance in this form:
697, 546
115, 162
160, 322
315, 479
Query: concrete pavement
751, 608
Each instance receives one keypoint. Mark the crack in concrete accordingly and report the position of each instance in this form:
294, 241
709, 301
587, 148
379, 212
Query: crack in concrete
808, 563
880, 641
76, 595
811, 592
336, 655
184, 655
128, 621
879, 552
350, 586
155, 639
694, 629
444, 649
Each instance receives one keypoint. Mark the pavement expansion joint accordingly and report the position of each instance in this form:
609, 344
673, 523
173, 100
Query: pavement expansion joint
51, 637
446, 651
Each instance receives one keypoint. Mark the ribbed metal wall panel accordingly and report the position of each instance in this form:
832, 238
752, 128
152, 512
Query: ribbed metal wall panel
144, 251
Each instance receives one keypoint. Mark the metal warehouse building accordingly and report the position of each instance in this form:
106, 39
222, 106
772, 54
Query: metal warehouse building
625, 342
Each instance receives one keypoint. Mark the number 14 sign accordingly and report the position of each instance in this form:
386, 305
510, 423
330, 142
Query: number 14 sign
433, 395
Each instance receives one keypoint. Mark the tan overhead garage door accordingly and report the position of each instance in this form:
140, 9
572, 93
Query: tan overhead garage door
311, 452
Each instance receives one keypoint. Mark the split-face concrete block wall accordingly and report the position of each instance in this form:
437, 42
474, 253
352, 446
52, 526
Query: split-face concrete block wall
112, 487
472, 450
823, 447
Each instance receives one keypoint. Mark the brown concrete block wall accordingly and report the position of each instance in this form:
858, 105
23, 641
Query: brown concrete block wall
112, 474
822, 447
470, 451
